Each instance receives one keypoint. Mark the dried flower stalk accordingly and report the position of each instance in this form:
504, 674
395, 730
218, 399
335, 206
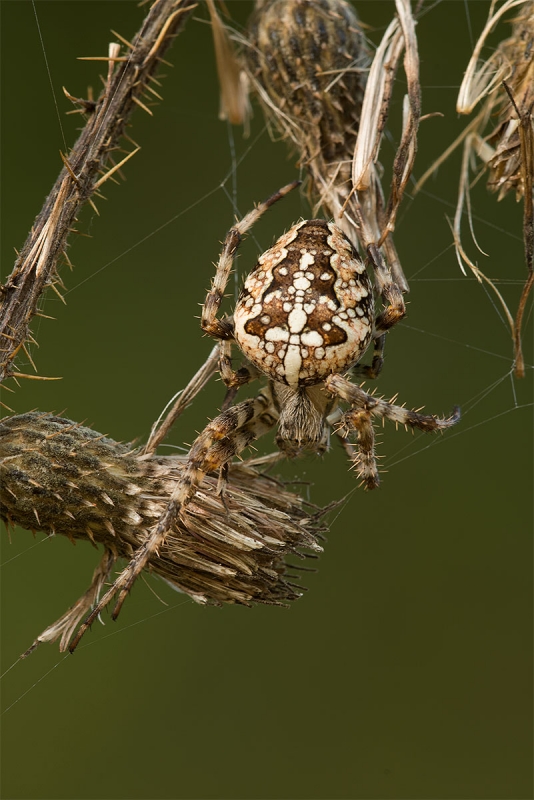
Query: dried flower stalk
62, 478
504, 83
127, 81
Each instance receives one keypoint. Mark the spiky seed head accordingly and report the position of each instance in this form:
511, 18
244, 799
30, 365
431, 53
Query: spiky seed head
60, 477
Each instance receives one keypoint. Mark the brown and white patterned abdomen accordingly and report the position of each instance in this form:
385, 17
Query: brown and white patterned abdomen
307, 309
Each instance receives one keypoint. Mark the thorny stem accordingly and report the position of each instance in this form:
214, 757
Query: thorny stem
526, 135
36, 266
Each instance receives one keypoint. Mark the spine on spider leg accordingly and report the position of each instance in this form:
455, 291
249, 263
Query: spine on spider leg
62, 478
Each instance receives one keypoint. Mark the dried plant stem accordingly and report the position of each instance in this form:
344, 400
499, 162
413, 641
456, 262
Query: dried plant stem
36, 266
161, 427
526, 136
504, 83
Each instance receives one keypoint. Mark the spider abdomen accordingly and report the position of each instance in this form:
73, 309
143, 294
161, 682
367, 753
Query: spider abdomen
306, 310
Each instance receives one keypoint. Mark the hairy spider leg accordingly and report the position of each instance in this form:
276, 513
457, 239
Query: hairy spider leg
222, 439
223, 328
388, 290
359, 418
374, 369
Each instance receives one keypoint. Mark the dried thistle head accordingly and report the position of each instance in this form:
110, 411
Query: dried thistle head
505, 81
307, 61
60, 477
506, 171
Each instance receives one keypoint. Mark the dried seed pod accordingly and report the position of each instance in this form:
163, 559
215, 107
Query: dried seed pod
60, 477
307, 60
506, 172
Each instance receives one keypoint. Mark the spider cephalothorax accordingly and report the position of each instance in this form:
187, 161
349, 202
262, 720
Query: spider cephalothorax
304, 319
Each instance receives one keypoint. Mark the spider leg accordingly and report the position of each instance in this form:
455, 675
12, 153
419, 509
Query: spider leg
388, 290
364, 408
222, 439
362, 455
233, 379
374, 369
222, 328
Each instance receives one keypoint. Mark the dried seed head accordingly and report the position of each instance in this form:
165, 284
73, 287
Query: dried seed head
307, 60
517, 53
60, 477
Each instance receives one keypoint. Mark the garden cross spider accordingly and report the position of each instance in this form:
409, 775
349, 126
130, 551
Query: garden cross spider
304, 318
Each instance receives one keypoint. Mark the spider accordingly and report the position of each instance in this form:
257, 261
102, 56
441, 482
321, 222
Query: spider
304, 319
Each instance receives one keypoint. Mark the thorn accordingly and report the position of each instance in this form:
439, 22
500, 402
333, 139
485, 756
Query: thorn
15, 351
67, 259
69, 168
87, 105
153, 91
89, 441
58, 433
102, 58
95, 209
52, 286
142, 105
122, 39
33, 377
36, 516
30, 359
112, 179
115, 168
45, 316
129, 139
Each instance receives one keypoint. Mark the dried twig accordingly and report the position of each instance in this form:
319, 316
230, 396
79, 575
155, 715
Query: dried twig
36, 266
505, 84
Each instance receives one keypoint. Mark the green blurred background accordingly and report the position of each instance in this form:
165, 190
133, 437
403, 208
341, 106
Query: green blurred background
405, 671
